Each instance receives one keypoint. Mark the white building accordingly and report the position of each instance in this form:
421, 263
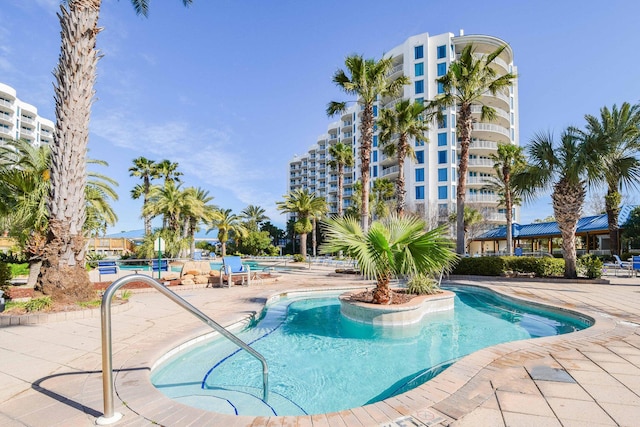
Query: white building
19, 120
431, 179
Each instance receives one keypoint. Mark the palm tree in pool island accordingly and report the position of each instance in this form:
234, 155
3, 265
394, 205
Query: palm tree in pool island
63, 274
147, 170
228, 224
367, 79
467, 81
306, 206
393, 246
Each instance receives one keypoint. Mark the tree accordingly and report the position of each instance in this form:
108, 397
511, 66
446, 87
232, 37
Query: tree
197, 210
631, 232
306, 206
405, 121
169, 171
391, 247
342, 157
63, 274
382, 193
171, 202
228, 224
367, 79
276, 233
565, 167
472, 217
616, 136
508, 160
146, 170
254, 216
98, 192
466, 82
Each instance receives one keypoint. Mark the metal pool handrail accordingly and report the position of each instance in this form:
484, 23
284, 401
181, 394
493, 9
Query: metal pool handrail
110, 416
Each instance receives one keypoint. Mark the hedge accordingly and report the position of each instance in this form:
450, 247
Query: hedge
500, 265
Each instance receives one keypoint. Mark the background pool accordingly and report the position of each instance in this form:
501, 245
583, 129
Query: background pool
321, 362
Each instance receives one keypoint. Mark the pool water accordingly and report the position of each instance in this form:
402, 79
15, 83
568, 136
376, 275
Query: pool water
176, 269
321, 362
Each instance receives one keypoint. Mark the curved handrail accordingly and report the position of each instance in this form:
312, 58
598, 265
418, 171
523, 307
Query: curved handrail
107, 362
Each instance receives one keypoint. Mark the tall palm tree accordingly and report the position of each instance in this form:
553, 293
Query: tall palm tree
63, 274
169, 171
382, 194
147, 170
171, 202
508, 160
305, 205
468, 79
197, 211
616, 135
393, 246
472, 217
367, 79
564, 166
227, 224
98, 192
341, 157
405, 121
254, 215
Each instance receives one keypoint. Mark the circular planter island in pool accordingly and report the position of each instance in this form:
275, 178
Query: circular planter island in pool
395, 314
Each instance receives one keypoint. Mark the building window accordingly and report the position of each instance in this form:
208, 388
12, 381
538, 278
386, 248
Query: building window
420, 157
420, 192
443, 123
375, 111
440, 88
375, 171
442, 69
419, 142
419, 86
375, 140
441, 51
418, 52
442, 139
442, 192
419, 69
442, 157
375, 155
442, 175
419, 174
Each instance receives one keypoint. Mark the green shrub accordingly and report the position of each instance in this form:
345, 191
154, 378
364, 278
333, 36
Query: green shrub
497, 266
590, 266
298, 258
481, 266
21, 269
38, 304
422, 284
5, 276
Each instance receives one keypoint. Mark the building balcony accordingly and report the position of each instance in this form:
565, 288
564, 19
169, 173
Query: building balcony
492, 132
498, 64
27, 120
502, 117
6, 103
390, 172
27, 132
481, 163
481, 198
499, 101
6, 131
6, 118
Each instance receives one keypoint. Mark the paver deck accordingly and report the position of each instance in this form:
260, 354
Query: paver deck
50, 372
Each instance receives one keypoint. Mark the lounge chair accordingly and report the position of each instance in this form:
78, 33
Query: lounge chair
618, 265
107, 267
232, 265
163, 265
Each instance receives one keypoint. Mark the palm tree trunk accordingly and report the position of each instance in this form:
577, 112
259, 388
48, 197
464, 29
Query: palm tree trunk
366, 130
313, 238
303, 244
340, 187
465, 125
508, 206
400, 191
567, 203
63, 274
382, 292
612, 207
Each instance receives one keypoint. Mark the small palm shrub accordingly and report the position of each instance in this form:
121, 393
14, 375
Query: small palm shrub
38, 304
590, 266
422, 284
298, 258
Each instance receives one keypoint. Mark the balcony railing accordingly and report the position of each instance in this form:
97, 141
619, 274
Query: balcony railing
5, 102
487, 198
491, 128
389, 171
481, 162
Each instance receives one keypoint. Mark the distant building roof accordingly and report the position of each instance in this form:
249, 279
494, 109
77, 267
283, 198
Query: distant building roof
211, 236
589, 224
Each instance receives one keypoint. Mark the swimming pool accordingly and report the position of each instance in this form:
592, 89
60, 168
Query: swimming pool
215, 265
321, 362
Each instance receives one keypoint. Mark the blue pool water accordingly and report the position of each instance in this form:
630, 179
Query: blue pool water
214, 266
321, 362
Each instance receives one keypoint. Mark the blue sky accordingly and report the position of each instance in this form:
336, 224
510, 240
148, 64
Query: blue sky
232, 89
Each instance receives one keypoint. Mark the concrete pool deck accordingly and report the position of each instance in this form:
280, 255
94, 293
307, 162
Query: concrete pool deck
50, 372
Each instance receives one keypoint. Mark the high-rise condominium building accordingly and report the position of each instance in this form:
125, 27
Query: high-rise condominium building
430, 178
19, 120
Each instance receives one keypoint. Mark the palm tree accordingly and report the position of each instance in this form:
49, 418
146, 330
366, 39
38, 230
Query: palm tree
342, 156
468, 79
146, 170
472, 217
367, 79
254, 215
564, 167
197, 210
382, 193
169, 171
63, 274
227, 224
509, 160
391, 247
405, 121
171, 202
617, 138
306, 206
98, 192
